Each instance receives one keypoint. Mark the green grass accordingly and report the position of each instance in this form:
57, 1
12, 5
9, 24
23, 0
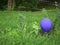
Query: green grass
20, 27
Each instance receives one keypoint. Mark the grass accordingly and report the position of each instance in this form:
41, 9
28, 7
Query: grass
20, 27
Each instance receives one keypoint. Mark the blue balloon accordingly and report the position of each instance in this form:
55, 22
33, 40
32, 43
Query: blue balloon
46, 25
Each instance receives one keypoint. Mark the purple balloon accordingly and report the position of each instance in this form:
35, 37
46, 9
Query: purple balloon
46, 25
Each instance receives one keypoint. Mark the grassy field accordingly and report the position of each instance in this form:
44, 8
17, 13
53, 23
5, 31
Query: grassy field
20, 28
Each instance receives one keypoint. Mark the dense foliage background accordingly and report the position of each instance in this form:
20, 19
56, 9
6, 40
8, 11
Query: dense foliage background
31, 4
